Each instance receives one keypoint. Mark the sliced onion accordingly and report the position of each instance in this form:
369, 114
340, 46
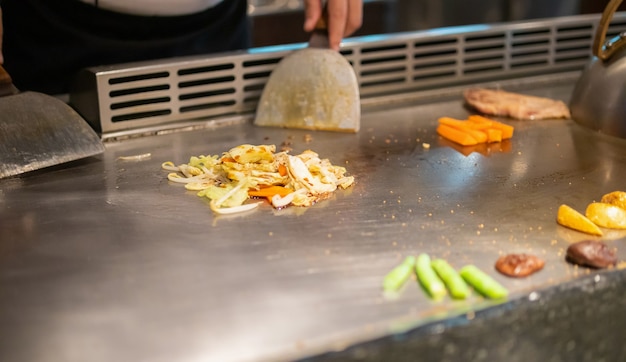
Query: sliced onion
279, 202
190, 171
230, 193
232, 210
198, 186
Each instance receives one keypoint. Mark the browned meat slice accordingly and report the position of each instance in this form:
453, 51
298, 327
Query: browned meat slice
519, 265
591, 253
514, 105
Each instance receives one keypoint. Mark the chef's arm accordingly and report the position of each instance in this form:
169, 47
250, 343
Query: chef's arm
344, 18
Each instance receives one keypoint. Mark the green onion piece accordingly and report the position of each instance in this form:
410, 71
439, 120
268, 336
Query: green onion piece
483, 283
399, 275
452, 279
428, 278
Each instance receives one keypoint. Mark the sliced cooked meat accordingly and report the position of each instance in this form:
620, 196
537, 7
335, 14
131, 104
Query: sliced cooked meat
514, 105
519, 265
591, 253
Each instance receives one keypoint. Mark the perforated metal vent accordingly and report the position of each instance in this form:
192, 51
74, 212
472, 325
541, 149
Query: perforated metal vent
164, 93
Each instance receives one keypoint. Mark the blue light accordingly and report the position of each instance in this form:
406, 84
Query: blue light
459, 29
277, 48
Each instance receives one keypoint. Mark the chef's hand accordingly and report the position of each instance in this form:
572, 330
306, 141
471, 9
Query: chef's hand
344, 18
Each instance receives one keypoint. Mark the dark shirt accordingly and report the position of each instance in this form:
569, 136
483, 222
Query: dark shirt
47, 42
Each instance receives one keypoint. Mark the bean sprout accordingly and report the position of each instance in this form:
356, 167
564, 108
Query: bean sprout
135, 157
169, 166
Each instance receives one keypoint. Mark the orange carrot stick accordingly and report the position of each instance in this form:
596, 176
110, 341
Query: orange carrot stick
507, 130
270, 191
282, 170
462, 123
493, 135
456, 135
478, 135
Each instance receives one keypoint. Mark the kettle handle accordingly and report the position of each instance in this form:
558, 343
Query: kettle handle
600, 49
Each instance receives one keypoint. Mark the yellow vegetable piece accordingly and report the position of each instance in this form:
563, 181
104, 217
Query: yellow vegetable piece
617, 198
606, 215
572, 219
252, 154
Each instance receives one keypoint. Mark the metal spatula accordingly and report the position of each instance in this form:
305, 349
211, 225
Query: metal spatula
38, 130
312, 88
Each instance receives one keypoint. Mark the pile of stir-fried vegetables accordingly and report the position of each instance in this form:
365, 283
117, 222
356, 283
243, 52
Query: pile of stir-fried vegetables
249, 171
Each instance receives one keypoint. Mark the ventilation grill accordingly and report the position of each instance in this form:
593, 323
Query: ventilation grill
152, 94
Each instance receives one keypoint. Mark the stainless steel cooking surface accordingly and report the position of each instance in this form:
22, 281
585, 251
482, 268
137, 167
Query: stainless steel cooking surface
105, 260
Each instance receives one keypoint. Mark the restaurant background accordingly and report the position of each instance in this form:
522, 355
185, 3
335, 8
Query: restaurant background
280, 21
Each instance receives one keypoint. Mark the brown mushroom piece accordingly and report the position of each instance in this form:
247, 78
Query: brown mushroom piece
519, 265
595, 254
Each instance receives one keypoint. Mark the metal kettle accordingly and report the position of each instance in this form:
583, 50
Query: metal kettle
599, 97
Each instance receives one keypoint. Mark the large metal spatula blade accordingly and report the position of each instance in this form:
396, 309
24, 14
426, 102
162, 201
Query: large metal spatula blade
38, 130
312, 88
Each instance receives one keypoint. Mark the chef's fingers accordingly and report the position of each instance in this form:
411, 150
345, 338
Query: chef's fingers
344, 18
355, 17
337, 21
312, 12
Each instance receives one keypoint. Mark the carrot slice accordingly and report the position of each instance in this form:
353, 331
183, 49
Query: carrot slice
493, 135
456, 135
463, 123
480, 120
478, 135
270, 191
451, 121
282, 170
507, 130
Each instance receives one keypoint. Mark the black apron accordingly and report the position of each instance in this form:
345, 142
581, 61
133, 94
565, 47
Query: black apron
47, 41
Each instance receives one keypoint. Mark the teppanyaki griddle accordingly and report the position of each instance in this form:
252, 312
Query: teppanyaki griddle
109, 260
113, 256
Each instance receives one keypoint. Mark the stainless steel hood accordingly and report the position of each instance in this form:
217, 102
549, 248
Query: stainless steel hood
133, 98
